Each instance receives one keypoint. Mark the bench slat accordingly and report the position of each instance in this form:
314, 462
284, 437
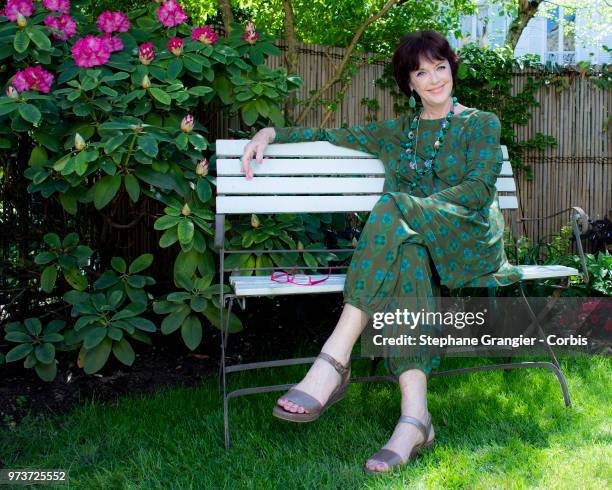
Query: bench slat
295, 204
235, 148
312, 204
506, 170
508, 202
263, 286
316, 185
298, 185
505, 184
303, 166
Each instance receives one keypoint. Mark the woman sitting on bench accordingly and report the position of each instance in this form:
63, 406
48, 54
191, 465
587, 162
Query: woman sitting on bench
437, 222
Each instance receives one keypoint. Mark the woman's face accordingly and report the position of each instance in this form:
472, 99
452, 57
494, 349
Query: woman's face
433, 81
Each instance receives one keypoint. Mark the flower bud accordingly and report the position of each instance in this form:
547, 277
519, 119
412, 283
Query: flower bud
11, 92
300, 245
79, 142
187, 124
146, 53
21, 20
175, 46
354, 242
202, 168
146, 82
186, 211
255, 221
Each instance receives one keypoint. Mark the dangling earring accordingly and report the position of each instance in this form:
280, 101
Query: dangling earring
412, 100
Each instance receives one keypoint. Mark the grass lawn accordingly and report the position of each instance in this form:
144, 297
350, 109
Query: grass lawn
493, 430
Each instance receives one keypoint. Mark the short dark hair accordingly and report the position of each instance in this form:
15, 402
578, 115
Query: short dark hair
430, 45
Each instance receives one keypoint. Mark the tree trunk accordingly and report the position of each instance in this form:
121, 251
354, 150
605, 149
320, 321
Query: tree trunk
526, 11
337, 76
226, 13
291, 56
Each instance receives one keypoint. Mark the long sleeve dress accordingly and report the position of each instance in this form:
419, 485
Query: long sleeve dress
447, 230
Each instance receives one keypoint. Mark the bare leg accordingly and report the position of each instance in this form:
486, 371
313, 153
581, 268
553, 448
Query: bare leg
413, 386
322, 378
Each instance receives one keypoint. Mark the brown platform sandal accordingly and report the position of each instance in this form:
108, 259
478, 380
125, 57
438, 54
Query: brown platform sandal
394, 460
308, 402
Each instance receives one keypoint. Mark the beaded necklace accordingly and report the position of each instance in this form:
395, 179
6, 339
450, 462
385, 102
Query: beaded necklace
410, 148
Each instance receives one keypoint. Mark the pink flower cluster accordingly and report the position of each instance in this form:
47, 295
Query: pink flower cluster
64, 23
146, 53
204, 34
91, 51
249, 33
175, 46
114, 43
18, 7
33, 78
171, 14
110, 22
62, 6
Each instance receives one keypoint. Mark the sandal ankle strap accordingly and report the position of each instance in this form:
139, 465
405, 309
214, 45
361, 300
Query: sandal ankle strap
419, 425
342, 370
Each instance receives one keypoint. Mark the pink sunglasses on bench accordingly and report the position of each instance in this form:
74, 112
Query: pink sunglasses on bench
297, 279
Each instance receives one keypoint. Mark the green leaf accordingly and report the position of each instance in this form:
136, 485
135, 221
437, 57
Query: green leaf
148, 144
250, 113
141, 263
160, 95
38, 157
30, 113
18, 337
174, 68
199, 90
53, 240
185, 231
45, 257
199, 304
46, 372
131, 310
198, 141
68, 202
75, 278
95, 358
173, 321
45, 353
143, 324
33, 325
52, 337
48, 278
115, 333
186, 263
123, 352
132, 187
105, 190
40, 39
203, 190
115, 142
168, 238
94, 337
165, 222
119, 264
191, 331
19, 352
21, 41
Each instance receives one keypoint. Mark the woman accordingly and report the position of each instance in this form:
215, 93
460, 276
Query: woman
439, 206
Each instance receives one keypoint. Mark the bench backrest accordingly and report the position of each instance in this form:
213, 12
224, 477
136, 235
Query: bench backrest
313, 177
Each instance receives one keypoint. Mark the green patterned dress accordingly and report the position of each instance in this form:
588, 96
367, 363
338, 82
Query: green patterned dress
447, 230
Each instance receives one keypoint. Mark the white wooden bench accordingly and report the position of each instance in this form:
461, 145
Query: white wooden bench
330, 179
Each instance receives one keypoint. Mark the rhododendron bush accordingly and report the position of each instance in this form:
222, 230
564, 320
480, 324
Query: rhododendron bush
108, 112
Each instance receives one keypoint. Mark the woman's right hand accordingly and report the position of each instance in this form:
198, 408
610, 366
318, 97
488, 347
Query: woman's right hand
256, 148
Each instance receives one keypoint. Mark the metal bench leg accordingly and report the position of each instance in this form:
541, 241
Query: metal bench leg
535, 320
224, 336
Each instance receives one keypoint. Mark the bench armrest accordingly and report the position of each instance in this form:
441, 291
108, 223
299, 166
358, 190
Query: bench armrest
580, 223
